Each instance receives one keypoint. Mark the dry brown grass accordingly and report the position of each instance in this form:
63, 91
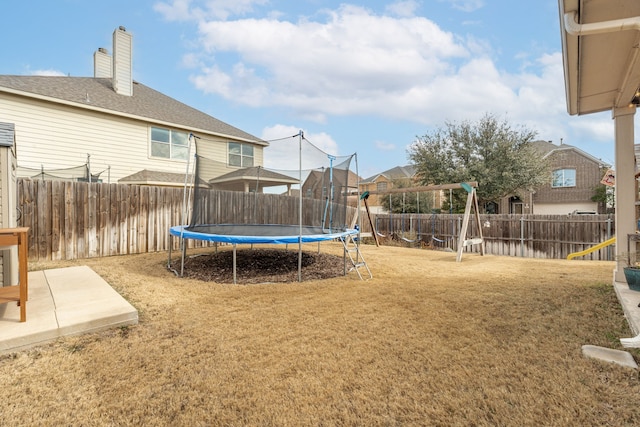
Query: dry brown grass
428, 341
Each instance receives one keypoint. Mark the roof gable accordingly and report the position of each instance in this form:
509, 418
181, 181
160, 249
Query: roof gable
398, 172
549, 149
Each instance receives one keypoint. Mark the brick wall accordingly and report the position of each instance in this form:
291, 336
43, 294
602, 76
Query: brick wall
588, 176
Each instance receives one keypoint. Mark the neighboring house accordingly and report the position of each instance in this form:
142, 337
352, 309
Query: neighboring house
140, 135
384, 181
316, 185
575, 175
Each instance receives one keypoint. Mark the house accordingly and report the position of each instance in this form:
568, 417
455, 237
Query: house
398, 177
135, 132
575, 175
345, 183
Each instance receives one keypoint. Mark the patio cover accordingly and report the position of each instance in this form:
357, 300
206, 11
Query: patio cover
600, 40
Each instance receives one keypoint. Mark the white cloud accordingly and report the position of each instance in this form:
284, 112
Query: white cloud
177, 10
598, 127
405, 8
186, 10
49, 72
354, 61
284, 149
466, 5
385, 146
350, 61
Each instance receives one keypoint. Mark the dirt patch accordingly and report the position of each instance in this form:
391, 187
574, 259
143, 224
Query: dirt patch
262, 266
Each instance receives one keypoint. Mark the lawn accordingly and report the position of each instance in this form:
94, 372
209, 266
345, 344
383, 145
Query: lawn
428, 341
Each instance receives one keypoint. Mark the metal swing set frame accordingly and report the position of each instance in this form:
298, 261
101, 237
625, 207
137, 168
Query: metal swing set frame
471, 205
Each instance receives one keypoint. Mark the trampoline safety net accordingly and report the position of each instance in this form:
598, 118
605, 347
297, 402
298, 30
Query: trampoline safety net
259, 195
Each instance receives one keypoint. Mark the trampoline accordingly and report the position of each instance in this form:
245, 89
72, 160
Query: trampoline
221, 213
256, 234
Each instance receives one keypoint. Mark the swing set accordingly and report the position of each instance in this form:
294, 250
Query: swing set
463, 241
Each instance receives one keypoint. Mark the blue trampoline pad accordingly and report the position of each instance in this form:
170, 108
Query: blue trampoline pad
258, 233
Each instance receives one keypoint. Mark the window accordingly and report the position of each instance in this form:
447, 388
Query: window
240, 155
381, 186
564, 178
169, 144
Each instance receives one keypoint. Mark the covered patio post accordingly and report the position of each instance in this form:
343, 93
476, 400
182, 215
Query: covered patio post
625, 184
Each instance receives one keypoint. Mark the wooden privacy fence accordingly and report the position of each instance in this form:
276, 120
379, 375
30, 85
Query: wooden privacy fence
533, 236
70, 220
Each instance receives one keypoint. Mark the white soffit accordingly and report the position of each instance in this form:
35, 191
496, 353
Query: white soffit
602, 69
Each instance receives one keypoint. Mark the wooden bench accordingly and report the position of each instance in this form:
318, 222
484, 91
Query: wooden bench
17, 237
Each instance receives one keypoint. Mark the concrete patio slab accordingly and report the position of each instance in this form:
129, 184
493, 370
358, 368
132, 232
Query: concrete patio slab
630, 301
62, 302
618, 357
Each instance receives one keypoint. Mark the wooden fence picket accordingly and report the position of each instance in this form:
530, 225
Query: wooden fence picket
70, 220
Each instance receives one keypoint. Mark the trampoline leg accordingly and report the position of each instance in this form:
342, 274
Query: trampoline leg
170, 244
183, 248
299, 259
234, 263
344, 256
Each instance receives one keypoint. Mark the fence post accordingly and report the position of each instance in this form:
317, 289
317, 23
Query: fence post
522, 236
608, 237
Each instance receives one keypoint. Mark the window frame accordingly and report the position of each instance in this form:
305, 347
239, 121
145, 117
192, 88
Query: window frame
241, 153
177, 151
558, 181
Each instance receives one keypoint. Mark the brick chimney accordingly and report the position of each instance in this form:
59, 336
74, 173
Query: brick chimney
122, 62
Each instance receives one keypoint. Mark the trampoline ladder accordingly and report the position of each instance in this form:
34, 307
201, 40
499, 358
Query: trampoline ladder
352, 249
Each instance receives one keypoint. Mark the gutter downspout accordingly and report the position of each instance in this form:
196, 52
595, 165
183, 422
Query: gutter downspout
572, 27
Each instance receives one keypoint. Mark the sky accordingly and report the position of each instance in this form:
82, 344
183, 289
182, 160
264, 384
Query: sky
365, 77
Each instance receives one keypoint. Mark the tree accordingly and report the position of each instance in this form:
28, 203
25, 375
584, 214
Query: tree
501, 159
410, 202
605, 197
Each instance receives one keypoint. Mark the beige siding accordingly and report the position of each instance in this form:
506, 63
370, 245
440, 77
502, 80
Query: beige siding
56, 136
